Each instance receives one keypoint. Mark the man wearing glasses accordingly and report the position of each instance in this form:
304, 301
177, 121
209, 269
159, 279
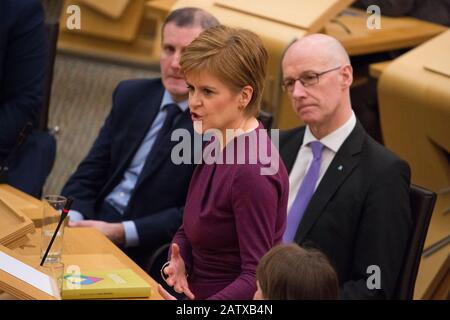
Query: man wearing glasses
349, 196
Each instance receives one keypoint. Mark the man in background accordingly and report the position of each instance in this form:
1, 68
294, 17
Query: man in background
349, 196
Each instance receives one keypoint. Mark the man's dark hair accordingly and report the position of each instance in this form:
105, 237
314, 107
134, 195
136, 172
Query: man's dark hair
191, 17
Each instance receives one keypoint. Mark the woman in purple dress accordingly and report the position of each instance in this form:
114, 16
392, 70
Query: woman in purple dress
236, 205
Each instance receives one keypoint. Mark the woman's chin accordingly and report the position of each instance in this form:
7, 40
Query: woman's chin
199, 126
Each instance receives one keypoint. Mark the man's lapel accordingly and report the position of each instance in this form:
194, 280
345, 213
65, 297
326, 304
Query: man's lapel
290, 143
343, 164
163, 153
142, 118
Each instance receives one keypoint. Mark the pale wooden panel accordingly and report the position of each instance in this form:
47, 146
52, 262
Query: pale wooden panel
376, 69
415, 115
14, 224
418, 99
395, 33
142, 51
97, 24
111, 8
441, 62
160, 5
443, 290
304, 14
32, 207
17, 242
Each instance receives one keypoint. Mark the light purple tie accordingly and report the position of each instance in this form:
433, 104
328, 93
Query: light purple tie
304, 193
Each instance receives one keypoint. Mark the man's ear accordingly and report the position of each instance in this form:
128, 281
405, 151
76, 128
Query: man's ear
245, 96
346, 76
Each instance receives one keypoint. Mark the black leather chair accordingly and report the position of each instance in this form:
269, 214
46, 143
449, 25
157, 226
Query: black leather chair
156, 261
154, 264
422, 205
266, 119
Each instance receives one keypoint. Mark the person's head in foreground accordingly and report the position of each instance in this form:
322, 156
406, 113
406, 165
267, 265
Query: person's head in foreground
317, 76
225, 70
290, 272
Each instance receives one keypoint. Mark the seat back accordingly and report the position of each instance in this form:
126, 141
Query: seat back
266, 119
156, 261
422, 205
154, 265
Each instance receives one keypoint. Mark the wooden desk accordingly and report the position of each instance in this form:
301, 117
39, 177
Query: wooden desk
90, 250
415, 115
32, 207
395, 33
86, 247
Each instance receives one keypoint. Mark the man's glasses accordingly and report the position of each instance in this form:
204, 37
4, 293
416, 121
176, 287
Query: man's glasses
308, 79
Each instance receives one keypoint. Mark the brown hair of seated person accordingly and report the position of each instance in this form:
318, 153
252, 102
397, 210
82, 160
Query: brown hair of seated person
290, 272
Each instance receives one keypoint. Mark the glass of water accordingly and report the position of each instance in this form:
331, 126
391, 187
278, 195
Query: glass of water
53, 206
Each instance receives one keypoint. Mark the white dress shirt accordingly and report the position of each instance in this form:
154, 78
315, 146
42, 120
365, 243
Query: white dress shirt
332, 142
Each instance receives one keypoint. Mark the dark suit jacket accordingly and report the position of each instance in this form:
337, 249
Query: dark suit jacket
23, 58
23, 64
160, 193
358, 216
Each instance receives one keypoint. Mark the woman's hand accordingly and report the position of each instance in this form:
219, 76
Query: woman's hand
176, 273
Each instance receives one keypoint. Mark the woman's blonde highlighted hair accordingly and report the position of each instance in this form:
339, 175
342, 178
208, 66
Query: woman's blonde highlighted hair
235, 56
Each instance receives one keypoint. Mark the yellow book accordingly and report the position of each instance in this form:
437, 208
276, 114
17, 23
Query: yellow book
123, 283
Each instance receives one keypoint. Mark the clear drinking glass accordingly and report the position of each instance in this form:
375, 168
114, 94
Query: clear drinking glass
53, 206
55, 270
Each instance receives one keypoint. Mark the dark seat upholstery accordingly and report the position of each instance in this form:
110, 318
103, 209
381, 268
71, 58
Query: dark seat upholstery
156, 261
422, 205
266, 119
